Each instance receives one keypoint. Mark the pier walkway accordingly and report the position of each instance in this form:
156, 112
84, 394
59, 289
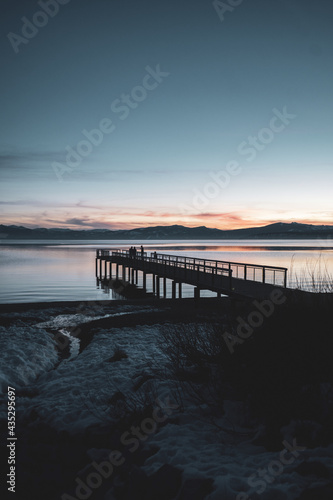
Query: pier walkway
224, 278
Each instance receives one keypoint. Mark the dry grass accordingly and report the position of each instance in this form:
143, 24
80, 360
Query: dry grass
314, 277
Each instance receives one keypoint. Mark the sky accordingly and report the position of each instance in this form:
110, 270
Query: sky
123, 114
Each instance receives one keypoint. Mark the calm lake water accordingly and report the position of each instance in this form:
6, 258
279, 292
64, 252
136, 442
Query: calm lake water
54, 271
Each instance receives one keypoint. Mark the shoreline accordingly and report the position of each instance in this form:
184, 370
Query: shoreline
24, 306
202, 302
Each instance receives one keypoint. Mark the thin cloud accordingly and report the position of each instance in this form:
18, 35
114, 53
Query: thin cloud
77, 222
223, 215
27, 164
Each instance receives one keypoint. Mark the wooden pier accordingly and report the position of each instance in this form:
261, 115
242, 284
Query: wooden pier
224, 278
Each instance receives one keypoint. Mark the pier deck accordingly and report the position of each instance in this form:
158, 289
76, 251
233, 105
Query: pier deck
222, 277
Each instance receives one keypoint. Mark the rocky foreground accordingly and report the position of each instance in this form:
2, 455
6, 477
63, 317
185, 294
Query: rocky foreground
162, 400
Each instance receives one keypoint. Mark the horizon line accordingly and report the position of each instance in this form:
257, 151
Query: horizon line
86, 229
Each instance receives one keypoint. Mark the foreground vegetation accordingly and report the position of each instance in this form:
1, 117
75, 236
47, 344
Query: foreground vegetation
283, 372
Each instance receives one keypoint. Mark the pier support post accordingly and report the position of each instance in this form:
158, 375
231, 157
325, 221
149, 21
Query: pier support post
230, 278
218, 295
180, 290
117, 271
100, 268
158, 286
144, 281
96, 268
123, 274
173, 289
154, 284
197, 292
136, 276
164, 288
132, 272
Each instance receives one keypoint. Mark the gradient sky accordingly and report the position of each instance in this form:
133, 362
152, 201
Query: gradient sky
226, 76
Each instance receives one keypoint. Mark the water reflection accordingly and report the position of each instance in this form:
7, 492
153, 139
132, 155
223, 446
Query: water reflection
39, 272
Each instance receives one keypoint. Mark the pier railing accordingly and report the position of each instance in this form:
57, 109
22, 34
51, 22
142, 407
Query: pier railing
250, 272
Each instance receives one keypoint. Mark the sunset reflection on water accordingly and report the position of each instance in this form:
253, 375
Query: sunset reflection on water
66, 271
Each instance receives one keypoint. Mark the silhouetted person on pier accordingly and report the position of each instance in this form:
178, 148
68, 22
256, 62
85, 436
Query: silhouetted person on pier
134, 252
142, 252
131, 253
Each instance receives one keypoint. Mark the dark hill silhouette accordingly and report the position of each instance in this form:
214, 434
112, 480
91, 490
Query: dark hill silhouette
279, 230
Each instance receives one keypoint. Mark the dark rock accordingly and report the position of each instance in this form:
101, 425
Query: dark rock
196, 488
99, 454
137, 484
143, 454
142, 380
119, 488
313, 468
109, 495
172, 420
307, 433
320, 493
270, 440
194, 374
117, 396
326, 432
27, 392
42, 452
164, 484
118, 355
100, 436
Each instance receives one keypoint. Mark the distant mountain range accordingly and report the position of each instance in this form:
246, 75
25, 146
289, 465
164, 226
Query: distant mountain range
279, 230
